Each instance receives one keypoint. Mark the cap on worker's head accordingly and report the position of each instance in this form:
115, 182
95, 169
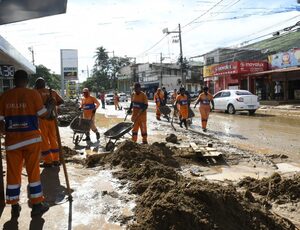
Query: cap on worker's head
39, 83
182, 89
205, 88
158, 89
85, 90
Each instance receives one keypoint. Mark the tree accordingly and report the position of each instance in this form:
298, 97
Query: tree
104, 73
52, 80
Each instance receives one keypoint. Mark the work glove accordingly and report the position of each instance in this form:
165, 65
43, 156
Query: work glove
129, 111
79, 109
195, 106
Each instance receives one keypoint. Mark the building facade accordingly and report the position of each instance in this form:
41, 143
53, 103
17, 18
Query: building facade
10, 61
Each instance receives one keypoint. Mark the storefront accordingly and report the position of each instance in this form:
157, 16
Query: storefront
284, 77
10, 61
232, 75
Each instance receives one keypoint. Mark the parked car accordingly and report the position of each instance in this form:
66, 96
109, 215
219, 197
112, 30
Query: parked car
109, 99
123, 97
231, 101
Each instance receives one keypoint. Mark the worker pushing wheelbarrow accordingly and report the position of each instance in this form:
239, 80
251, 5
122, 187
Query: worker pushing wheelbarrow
161, 107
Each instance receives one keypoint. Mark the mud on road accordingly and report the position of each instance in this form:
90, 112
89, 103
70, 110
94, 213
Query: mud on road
168, 200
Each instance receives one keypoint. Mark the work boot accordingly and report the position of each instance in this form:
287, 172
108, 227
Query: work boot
39, 209
97, 135
15, 210
204, 130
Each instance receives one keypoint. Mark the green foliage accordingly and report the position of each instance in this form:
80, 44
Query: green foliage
52, 80
104, 73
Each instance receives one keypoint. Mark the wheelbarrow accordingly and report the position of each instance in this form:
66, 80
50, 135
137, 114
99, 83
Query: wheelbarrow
165, 110
80, 127
115, 133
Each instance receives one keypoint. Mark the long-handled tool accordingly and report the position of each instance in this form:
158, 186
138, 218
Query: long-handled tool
2, 194
61, 154
173, 119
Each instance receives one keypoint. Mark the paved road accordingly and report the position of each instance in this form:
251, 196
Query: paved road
264, 134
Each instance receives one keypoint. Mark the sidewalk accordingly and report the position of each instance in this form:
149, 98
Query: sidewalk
280, 110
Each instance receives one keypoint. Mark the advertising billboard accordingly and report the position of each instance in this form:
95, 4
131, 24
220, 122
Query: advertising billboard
285, 59
69, 64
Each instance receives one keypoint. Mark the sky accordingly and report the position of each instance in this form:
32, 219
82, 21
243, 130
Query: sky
134, 28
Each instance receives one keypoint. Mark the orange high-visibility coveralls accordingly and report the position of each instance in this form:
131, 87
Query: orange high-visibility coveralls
89, 104
116, 101
20, 108
204, 107
139, 102
183, 106
158, 98
49, 148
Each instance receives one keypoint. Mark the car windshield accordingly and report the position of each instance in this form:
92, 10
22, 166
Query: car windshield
240, 93
109, 95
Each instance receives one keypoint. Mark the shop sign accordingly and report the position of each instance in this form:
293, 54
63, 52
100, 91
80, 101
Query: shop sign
225, 69
208, 71
7, 70
252, 67
69, 62
285, 59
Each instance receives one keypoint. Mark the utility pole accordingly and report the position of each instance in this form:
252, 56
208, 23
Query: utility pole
183, 80
161, 72
32, 53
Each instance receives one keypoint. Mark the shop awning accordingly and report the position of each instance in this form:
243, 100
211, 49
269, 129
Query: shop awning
285, 70
20, 10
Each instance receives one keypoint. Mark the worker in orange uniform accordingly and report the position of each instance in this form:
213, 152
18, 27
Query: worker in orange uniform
205, 99
89, 105
20, 108
182, 101
158, 99
173, 99
116, 101
50, 149
138, 108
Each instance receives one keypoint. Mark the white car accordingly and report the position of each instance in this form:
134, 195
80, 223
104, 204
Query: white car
109, 99
123, 97
236, 100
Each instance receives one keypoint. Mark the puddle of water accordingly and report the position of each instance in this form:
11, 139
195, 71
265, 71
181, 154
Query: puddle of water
288, 168
102, 120
236, 173
99, 199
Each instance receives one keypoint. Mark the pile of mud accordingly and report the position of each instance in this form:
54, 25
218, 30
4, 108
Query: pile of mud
67, 112
275, 188
68, 153
169, 201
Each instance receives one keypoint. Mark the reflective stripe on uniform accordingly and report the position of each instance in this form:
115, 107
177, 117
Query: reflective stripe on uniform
89, 106
35, 189
21, 123
13, 191
42, 111
23, 143
138, 105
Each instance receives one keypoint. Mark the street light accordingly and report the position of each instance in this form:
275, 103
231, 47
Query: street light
166, 31
32, 53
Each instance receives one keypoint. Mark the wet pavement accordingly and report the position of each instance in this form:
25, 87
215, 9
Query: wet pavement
103, 202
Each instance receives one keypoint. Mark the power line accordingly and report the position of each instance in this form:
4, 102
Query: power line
153, 46
203, 14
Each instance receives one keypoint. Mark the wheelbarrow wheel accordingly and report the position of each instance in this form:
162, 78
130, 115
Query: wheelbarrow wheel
109, 146
76, 142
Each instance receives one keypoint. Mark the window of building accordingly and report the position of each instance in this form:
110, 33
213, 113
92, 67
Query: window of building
210, 60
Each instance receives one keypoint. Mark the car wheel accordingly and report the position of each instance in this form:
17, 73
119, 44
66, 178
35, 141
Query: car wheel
252, 111
231, 109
